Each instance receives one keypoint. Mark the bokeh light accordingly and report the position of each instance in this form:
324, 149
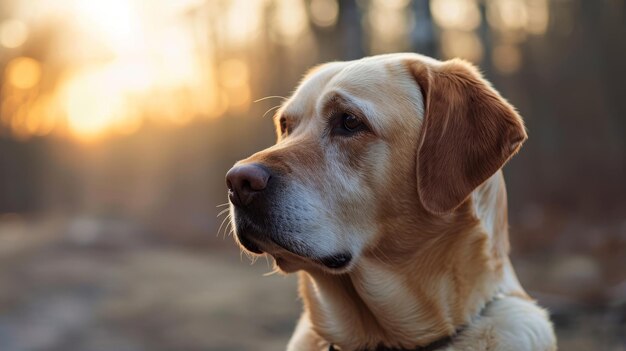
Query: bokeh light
506, 58
324, 13
456, 14
461, 44
23, 72
13, 33
289, 21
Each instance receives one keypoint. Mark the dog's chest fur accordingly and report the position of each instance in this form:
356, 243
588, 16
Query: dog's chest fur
376, 303
388, 311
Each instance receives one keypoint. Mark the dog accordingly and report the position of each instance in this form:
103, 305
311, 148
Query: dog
385, 193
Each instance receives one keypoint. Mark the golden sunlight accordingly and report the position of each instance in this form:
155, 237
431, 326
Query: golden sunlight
23, 72
456, 14
507, 58
13, 33
389, 22
290, 21
118, 62
112, 20
461, 44
91, 111
324, 13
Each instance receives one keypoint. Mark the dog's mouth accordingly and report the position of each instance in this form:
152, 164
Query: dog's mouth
289, 262
337, 261
287, 253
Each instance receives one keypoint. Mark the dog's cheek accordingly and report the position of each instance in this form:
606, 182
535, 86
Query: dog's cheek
351, 178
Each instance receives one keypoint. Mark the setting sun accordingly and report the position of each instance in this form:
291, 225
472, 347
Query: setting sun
123, 62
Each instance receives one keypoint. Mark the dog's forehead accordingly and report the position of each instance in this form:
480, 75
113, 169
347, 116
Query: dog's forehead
381, 81
303, 100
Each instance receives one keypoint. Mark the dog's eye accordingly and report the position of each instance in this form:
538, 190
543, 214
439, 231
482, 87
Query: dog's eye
347, 124
350, 123
283, 125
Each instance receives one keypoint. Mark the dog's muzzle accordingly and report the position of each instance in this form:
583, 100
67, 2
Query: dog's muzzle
261, 225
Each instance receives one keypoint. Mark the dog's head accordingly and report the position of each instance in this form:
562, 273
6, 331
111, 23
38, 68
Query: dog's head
363, 147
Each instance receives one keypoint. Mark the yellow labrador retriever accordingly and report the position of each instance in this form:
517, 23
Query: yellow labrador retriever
384, 192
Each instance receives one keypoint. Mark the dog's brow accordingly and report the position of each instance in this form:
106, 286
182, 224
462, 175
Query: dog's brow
338, 100
333, 100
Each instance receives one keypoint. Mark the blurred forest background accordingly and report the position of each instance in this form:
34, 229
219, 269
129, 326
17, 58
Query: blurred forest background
119, 119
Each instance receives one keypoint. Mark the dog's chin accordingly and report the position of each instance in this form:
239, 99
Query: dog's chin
249, 245
289, 260
289, 263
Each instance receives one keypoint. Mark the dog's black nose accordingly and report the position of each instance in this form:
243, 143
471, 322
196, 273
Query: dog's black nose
245, 181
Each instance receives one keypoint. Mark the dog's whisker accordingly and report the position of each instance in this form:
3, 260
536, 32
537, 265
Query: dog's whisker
271, 97
224, 204
253, 259
250, 256
273, 271
229, 229
267, 260
270, 110
223, 211
223, 221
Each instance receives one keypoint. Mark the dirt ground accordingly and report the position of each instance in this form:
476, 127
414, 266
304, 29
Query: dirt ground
75, 285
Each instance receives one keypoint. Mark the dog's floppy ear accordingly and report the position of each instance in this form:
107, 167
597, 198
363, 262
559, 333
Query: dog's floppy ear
469, 131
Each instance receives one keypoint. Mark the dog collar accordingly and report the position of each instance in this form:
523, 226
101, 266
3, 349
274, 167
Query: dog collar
437, 344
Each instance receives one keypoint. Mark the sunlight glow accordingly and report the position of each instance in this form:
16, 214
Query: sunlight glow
531, 16
243, 21
511, 14
289, 21
389, 24
456, 14
462, 44
538, 18
118, 63
112, 20
91, 111
506, 58
13, 33
234, 77
324, 13
41, 120
23, 72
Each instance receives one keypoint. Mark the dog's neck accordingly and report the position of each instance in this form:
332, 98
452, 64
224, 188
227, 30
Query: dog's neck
418, 287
